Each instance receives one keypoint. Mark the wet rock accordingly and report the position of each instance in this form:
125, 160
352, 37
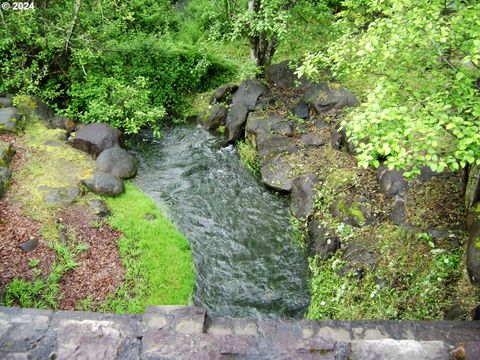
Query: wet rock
104, 184
99, 208
312, 139
215, 117
61, 196
6, 153
117, 162
283, 76
302, 197
301, 109
324, 97
391, 182
5, 175
95, 138
5, 102
9, 118
352, 212
323, 242
223, 93
29, 245
243, 101
62, 122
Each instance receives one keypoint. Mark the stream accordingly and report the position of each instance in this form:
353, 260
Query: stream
239, 231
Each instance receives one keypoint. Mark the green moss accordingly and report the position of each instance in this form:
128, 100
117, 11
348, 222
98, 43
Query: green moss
477, 242
156, 256
355, 211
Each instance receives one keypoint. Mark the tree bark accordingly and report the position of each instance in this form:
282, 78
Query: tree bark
472, 191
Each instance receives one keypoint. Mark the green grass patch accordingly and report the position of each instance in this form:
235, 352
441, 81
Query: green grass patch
249, 156
156, 256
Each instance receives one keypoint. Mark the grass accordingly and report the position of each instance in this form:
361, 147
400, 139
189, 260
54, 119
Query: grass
249, 156
156, 256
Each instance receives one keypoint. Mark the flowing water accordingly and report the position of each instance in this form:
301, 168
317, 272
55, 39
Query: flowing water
240, 234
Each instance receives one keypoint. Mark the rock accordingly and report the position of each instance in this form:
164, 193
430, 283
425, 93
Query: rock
5, 175
215, 117
61, 196
359, 257
301, 109
322, 241
29, 245
117, 162
99, 208
283, 128
260, 124
274, 169
312, 139
95, 138
283, 76
104, 184
352, 212
6, 153
222, 94
438, 233
336, 139
455, 313
5, 102
302, 198
9, 118
473, 255
150, 217
325, 97
244, 101
42, 109
399, 213
391, 182
62, 122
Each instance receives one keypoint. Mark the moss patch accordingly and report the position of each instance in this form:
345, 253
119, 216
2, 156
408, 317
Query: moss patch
156, 256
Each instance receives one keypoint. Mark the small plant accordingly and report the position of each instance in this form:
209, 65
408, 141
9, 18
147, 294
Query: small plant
249, 156
33, 263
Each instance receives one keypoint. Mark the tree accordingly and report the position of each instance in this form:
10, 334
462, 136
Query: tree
264, 24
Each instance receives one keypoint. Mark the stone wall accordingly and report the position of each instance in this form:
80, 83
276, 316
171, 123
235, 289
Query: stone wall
175, 332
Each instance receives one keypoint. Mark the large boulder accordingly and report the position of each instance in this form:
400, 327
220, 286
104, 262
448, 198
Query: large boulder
117, 162
223, 93
283, 76
275, 171
215, 117
104, 184
323, 242
302, 197
261, 124
9, 118
95, 138
5, 175
6, 153
325, 96
244, 100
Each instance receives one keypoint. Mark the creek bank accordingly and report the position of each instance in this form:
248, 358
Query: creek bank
60, 245
362, 223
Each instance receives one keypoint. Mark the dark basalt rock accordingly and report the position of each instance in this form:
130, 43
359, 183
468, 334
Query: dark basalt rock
6, 153
117, 162
324, 97
473, 247
312, 139
399, 213
5, 175
391, 182
283, 76
42, 109
323, 242
29, 245
223, 93
5, 102
9, 118
104, 184
62, 122
283, 128
215, 117
61, 196
353, 212
302, 109
95, 138
302, 197
244, 100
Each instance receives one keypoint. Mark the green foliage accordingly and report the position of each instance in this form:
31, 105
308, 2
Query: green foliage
415, 66
412, 281
156, 257
249, 156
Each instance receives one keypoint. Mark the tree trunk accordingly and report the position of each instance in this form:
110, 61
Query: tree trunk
472, 191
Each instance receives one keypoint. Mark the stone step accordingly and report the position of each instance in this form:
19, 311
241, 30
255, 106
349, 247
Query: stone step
177, 332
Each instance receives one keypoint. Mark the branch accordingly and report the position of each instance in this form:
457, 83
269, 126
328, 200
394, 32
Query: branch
74, 24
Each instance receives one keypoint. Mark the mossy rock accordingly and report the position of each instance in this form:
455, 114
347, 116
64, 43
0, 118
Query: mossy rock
9, 119
352, 212
6, 153
5, 175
